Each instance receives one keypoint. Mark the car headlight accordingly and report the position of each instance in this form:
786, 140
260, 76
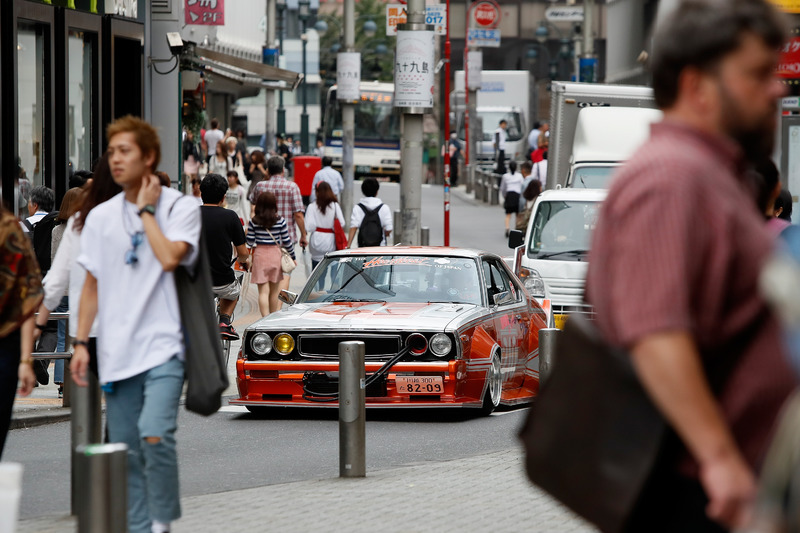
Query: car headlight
261, 344
441, 345
535, 284
283, 343
417, 343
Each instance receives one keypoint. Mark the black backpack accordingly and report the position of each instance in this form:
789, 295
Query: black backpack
42, 237
370, 232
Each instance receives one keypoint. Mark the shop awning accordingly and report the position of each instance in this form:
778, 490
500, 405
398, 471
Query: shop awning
246, 72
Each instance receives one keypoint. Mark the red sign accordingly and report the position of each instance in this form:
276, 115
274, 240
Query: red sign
205, 12
486, 14
789, 62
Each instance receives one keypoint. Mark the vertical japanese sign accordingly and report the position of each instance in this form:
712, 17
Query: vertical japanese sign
348, 76
205, 12
475, 66
413, 69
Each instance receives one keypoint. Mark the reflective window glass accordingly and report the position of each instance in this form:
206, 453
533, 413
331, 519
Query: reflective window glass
80, 76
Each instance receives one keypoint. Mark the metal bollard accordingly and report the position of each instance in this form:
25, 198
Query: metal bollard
425, 236
548, 340
352, 410
86, 428
495, 189
104, 481
398, 225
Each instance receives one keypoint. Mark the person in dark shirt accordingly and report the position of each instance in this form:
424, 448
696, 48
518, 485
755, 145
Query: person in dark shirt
221, 229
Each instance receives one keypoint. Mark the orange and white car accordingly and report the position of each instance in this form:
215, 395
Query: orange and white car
442, 327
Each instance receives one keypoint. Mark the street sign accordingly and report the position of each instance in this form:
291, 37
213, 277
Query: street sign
205, 12
413, 69
487, 38
435, 15
348, 76
485, 14
474, 68
564, 13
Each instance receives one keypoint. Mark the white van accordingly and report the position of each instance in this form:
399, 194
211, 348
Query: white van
554, 262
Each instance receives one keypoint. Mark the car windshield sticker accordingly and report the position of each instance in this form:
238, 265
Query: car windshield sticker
442, 261
390, 261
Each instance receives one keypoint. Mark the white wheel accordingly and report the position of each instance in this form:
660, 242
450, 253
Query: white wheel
494, 386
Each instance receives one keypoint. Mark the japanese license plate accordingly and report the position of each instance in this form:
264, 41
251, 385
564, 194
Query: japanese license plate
559, 320
419, 384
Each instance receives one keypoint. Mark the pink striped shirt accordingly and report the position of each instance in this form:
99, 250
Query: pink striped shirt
679, 247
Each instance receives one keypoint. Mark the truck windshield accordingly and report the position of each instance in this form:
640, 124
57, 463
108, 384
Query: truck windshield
590, 177
491, 121
563, 230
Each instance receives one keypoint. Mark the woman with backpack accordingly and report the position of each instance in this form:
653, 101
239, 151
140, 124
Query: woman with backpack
371, 218
511, 190
321, 218
267, 232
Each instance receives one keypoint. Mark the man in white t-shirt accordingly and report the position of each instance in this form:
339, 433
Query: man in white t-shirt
500, 146
370, 211
130, 246
329, 175
212, 137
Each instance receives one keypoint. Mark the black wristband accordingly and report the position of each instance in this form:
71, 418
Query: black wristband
80, 343
149, 208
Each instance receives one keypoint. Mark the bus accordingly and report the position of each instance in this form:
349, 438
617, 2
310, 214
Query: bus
377, 131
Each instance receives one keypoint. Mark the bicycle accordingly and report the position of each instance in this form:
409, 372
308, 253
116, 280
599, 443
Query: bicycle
238, 272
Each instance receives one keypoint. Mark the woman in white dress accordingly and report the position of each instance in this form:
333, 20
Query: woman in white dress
319, 219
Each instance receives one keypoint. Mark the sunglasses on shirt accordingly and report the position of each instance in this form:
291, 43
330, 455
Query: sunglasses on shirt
131, 258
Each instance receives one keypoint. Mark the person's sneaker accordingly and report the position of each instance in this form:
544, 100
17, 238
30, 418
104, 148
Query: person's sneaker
227, 332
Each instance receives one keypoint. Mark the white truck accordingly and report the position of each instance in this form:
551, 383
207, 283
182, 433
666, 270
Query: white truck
504, 94
593, 128
553, 261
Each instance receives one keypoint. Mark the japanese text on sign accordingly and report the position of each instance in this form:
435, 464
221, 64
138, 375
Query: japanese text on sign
435, 15
413, 69
205, 12
488, 38
348, 76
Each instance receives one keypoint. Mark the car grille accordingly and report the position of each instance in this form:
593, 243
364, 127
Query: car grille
376, 347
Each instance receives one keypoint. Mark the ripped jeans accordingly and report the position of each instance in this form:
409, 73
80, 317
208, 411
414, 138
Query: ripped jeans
142, 412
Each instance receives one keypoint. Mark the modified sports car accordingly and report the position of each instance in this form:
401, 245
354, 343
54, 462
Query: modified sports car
442, 327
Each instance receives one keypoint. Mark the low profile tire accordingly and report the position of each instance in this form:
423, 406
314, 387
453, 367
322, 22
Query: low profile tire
494, 388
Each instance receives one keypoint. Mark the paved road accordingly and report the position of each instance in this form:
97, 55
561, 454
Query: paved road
233, 450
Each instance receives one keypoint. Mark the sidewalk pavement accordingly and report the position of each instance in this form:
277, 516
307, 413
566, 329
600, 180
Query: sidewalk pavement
483, 493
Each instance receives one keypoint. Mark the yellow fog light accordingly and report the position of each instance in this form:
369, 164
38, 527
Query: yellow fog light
283, 343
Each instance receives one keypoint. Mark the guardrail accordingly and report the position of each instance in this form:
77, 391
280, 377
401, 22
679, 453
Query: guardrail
487, 186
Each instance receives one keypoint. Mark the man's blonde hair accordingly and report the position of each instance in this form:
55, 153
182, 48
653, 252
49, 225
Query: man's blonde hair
145, 136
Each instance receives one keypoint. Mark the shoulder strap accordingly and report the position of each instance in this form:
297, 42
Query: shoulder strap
363, 208
372, 212
30, 226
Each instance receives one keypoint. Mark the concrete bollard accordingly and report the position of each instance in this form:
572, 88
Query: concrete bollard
398, 224
352, 410
548, 339
86, 427
425, 236
494, 184
103, 477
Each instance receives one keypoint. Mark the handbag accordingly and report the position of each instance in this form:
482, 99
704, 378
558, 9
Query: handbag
205, 369
338, 233
287, 263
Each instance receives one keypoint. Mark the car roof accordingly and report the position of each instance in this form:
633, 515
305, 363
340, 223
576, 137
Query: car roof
574, 194
439, 251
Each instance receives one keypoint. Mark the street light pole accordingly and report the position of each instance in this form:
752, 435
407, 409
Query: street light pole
269, 53
303, 13
446, 161
281, 5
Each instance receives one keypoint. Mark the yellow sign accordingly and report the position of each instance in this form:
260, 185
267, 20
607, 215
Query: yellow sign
787, 6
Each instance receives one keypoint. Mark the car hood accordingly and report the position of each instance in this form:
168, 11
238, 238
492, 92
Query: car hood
343, 316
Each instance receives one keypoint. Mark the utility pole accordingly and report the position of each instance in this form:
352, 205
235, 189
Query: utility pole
588, 63
270, 57
414, 77
348, 115
446, 129
304, 13
281, 4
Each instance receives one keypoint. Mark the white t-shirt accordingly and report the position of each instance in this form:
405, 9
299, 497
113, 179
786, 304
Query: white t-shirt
237, 202
500, 139
371, 202
139, 321
212, 137
332, 177
321, 243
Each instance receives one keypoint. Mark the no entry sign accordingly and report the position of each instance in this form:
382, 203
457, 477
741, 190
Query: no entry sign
486, 14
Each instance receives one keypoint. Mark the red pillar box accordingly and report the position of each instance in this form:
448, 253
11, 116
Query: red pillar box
305, 166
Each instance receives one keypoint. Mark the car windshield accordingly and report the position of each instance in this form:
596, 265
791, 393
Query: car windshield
592, 177
394, 278
563, 230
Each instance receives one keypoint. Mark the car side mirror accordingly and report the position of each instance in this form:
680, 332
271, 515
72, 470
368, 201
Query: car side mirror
515, 238
503, 298
287, 297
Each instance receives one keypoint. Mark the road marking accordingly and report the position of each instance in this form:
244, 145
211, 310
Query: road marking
233, 409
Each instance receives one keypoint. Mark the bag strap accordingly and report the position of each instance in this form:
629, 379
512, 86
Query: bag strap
30, 226
279, 243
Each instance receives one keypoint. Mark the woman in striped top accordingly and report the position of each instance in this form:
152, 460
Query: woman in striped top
267, 232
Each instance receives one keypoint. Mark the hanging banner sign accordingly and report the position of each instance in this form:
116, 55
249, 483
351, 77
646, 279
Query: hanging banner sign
474, 68
435, 15
413, 69
205, 12
348, 76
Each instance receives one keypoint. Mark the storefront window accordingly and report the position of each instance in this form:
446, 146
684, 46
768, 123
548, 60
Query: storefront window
30, 111
80, 74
